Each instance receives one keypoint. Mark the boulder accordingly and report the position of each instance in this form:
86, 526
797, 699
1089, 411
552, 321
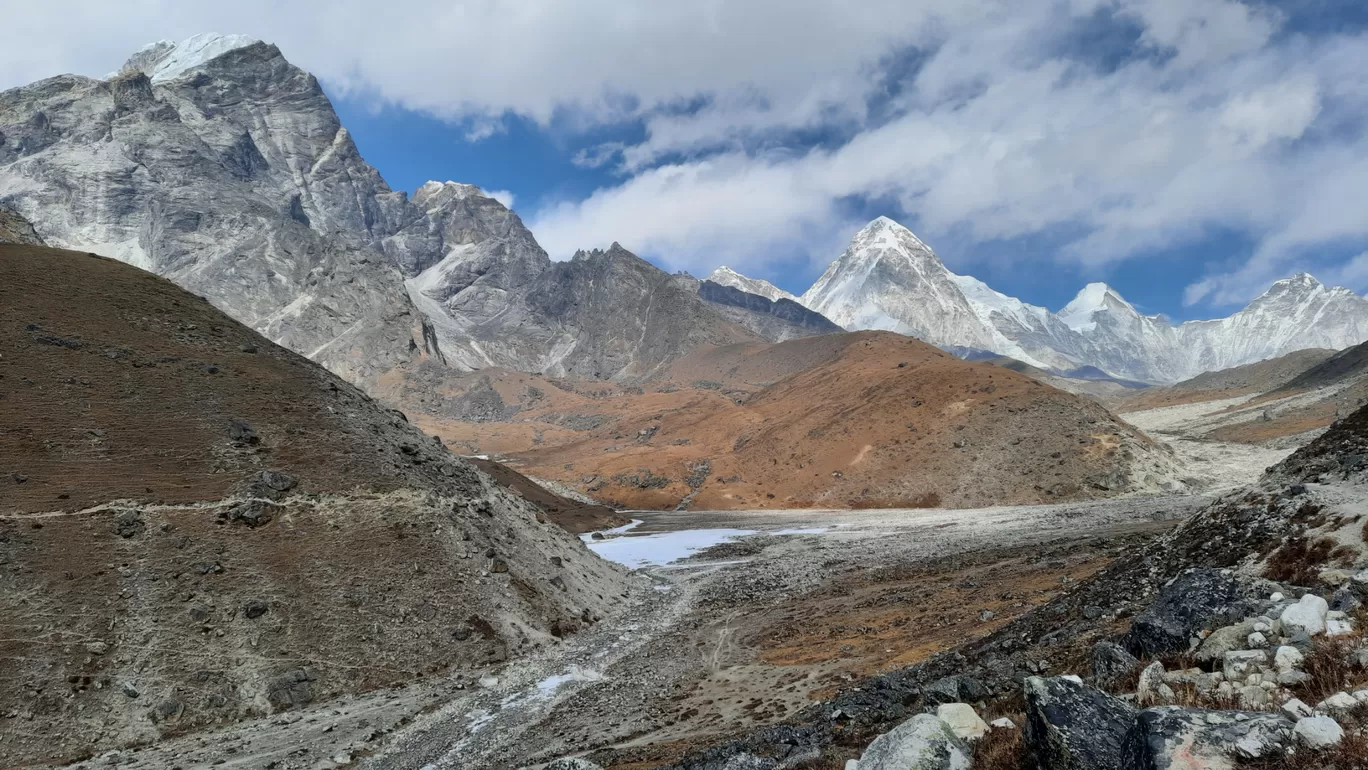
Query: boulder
1225, 639
1339, 703
1296, 709
1241, 663
954, 689
1307, 615
962, 720
1112, 664
1147, 689
1173, 738
1070, 726
1288, 658
923, 742
1319, 732
1337, 623
1195, 600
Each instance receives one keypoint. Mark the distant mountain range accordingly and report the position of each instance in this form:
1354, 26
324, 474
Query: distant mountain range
889, 279
217, 163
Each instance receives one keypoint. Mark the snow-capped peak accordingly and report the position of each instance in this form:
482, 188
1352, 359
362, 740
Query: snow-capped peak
728, 277
165, 60
1093, 298
883, 229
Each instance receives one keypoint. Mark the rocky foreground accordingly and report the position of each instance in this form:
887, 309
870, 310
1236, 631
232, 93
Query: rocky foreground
1235, 640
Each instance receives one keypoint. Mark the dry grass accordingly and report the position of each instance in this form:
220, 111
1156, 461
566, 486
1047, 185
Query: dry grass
1299, 561
1331, 666
1002, 749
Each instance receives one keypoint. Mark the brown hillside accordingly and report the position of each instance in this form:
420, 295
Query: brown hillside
851, 420
1250, 379
198, 526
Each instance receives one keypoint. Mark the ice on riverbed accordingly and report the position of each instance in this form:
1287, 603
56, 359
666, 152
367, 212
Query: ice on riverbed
550, 684
588, 537
663, 548
803, 531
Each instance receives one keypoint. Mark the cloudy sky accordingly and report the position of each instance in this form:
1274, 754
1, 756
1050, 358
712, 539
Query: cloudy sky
1188, 151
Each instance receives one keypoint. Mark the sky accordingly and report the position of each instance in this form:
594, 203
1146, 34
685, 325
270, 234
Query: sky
1189, 152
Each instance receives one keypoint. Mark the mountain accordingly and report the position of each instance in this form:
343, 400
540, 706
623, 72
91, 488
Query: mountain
775, 320
223, 167
199, 526
726, 276
220, 165
860, 420
889, 279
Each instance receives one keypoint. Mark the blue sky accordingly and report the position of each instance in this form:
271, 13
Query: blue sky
1189, 152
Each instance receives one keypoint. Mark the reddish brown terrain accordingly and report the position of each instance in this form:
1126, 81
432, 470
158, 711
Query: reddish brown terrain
868, 419
198, 526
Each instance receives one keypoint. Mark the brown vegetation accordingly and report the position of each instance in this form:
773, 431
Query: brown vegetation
862, 420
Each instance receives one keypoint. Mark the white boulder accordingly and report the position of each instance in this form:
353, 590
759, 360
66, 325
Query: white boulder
1306, 615
1288, 658
962, 720
923, 742
1319, 732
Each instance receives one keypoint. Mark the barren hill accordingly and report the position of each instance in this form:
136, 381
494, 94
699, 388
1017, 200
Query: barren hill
197, 525
869, 419
1249, 379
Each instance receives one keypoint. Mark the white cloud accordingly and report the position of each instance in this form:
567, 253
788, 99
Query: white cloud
1005, 129
503, 196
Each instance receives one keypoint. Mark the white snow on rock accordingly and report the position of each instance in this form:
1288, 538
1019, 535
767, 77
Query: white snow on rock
165, 60
728, 277
889, 279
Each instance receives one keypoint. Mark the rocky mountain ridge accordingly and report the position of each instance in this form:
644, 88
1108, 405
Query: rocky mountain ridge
889, 279
220, 165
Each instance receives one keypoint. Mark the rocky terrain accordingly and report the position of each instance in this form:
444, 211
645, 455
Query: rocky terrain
1234, 640
15, 229
851, 420
198, 526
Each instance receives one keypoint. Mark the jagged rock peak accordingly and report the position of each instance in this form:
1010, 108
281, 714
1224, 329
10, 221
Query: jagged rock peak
442, 192
725, 276
165, 60
1093, 298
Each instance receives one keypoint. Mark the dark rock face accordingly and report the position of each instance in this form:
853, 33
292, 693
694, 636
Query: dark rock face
955, 689
1169, 737
777, 320
1112, 663
15, 229
1073, 727
1196, 599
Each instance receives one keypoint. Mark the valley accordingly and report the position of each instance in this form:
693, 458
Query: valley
300, 471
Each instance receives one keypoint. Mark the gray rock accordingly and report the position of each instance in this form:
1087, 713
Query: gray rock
923, 742
1195, 600
1169, 737
1112, 664
1225, 639
1319, 732
1070, 726
954, 689
16, 229
573, 763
